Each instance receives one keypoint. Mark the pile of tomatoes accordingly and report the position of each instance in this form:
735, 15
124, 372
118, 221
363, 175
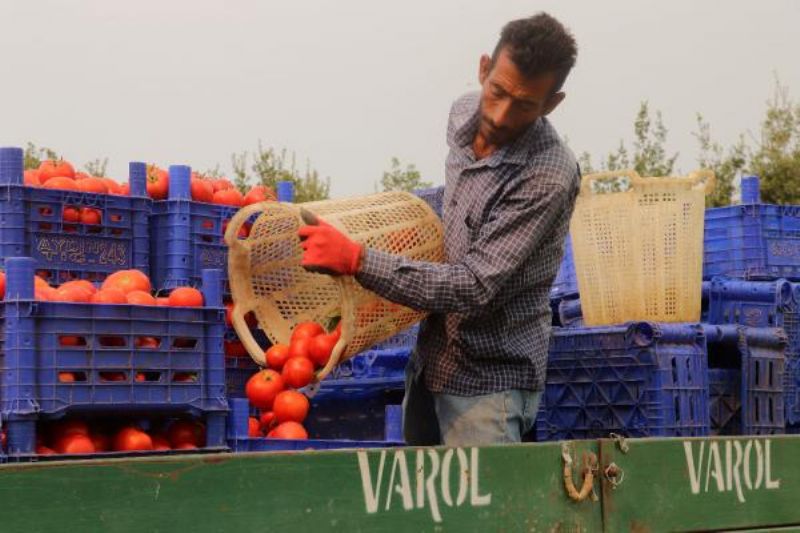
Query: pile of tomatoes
272, 390
60, 174
75, 436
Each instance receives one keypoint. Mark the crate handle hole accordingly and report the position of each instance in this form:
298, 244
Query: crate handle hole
46, 211
71, 340
184, 343
207, 223
113, 377
148, 343
184, 377
72, 377
112, 342
148, 377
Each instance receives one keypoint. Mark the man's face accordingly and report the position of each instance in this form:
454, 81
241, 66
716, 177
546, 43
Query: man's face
510, 102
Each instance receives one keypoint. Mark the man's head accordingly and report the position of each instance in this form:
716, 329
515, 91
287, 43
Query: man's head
522, 79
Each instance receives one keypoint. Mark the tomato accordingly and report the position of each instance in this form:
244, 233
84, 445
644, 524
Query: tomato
157, 183
262, 387
290, 405
321, 348
113, 376
306, 330
109, 296
88, 285
234, 349
257, 194
298, 372
66, 377
71, 214
127, 281
186, 446
160, 442
2, 285
150, 343
31, 178
184, 377
276, 356
289, 430
300, 347
267, 420
75, 443
51, 169
125, 189
253, 427
221, 184
67, 184
71, 293
229, 197
229, 315
140, 377
185, 431
44, 450
62, 428
162, 302
90, 216
132, 439
186, 297
112, 186
102, 443
202, 190
244, 229
92, 184
140, 298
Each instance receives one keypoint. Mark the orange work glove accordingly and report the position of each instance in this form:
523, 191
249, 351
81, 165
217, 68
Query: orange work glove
328, 250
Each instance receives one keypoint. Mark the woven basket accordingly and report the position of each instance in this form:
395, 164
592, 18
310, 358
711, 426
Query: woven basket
638, 246
266, 276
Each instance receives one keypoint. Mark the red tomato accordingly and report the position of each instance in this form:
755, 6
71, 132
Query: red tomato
257, 194
184, 377
162, 302
127, 281
160, 442
71, 214
234, 349
51, 169
300, 347
86, 284
113, 376
262, 387
90, 216
101, 442
109, 296
289, 430
290, 405
62, 428
321, 348
186, 446
253, 427
113, 186
229, 315
229, 197
202, 190
132, 439
92, 184
221, 184
298, 372
150, 343
125, 189
75, 443
66, 377
157, 183
140, 377
267, 420
276, 356
306, 330
186, 297
44, 450
66, 184
72, 293
185, 431
140, 298
31, 178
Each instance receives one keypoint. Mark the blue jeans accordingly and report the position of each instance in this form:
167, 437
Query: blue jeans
434, 418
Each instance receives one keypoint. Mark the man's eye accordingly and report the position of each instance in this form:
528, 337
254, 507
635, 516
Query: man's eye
497, 91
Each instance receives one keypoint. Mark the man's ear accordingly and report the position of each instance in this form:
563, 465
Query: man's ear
485, 66
553, 102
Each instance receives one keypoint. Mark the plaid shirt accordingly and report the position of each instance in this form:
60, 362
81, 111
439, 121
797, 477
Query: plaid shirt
505, 220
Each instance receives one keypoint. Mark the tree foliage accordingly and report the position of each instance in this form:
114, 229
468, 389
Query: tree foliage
97, 167
267, 166
726, 164
34, 155
406, 179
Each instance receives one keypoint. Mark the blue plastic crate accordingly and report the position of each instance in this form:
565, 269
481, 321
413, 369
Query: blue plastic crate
764, 304
387, 365
566, 281
31, 225
639, 380
186, 237
239, 441
405, 339
434, 197
185, 371
746, 367
752, 241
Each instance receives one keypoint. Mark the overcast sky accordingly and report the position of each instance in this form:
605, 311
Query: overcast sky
349, 84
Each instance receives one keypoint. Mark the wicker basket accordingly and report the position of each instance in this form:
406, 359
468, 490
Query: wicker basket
638, 246
266, 276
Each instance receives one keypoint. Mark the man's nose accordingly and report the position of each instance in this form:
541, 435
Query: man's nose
502, 113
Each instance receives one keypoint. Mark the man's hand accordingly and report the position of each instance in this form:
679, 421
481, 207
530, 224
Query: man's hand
328, 250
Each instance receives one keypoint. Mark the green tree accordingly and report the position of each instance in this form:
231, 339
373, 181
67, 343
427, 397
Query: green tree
726, 164
34, 155
649, 156
775, 158
97, 167
269, 166
406, 179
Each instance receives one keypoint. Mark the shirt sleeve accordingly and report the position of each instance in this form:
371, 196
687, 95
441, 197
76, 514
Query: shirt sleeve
516, 227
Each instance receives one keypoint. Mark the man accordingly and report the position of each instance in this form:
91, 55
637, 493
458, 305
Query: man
478, 370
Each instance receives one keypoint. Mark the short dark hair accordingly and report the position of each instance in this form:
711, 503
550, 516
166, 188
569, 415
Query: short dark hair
539, 44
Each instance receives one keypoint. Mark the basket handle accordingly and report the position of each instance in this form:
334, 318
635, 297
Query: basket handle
242, 215
588, 179
246, 336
